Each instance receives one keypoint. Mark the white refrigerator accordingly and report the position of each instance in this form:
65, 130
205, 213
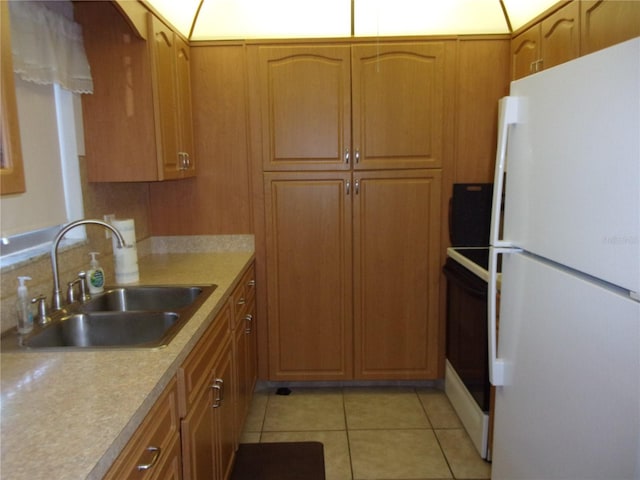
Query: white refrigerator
565, 356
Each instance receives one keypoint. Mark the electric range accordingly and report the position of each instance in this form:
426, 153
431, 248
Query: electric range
466, 269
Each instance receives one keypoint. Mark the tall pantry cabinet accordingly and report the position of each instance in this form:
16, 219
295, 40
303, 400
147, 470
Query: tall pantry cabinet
351, 147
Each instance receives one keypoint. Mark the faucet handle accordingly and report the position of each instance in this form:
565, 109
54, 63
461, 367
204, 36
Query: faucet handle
81, 280
71, 293
43, 316
85, 296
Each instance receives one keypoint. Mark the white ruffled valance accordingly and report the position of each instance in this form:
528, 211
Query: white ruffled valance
47, 47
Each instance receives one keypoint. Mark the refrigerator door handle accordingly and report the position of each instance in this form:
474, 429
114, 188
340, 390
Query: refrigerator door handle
507, 115
496, 365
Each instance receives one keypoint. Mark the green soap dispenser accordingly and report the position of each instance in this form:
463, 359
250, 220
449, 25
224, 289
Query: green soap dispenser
95, 275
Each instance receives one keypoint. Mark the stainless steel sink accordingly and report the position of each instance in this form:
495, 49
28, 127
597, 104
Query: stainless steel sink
105, 329
121, 317
123, 299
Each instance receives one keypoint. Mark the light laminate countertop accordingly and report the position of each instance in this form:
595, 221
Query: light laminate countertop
67, 415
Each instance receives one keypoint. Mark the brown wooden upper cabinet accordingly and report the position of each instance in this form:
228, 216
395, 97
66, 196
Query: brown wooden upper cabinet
341, 107
170, 56
597, 19
138, 122
306, 107
577, 28
553, 41
11, 169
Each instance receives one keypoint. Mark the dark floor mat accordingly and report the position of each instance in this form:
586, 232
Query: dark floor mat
279, 461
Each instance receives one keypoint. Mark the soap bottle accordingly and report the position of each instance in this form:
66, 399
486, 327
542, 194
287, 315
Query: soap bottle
95, 275
23, 307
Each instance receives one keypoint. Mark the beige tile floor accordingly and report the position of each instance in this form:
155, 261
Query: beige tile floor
384, 433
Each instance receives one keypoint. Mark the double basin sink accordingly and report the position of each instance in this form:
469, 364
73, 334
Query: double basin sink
121, 317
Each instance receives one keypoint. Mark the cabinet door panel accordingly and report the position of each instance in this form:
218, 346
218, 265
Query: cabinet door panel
224, 414
525, 52
183, 100
308, 227
560, 36
606, 23
396, 273
245, 361
305, 104
199, 445
398, 105
162, 46
120, 135
11, 168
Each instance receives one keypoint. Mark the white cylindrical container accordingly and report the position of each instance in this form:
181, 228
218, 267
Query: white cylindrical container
126, 259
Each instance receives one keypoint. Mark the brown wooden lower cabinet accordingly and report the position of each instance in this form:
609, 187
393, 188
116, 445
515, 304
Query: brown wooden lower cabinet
199, 440
216, 384
192, 431
243, 300
309, 268
209, 432
352, 274
396, 234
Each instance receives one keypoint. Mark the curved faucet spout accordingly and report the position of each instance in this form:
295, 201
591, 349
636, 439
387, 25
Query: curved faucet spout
56, 301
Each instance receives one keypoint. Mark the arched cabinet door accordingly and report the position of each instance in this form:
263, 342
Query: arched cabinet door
598, 18
398, 105
305, 105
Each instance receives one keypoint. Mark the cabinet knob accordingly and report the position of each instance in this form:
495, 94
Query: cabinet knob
357, 156
347, 156
184, 161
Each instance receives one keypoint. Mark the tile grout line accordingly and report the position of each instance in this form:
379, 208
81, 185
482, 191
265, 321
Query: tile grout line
444, 455
264, 415
346, 428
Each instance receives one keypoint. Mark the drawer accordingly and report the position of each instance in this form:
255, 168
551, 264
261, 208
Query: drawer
244, 294
194, 372
153, 444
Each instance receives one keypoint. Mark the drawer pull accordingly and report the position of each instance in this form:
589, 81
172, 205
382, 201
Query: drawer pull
251, 283
248, 319
156, 455
242, 301
218, 386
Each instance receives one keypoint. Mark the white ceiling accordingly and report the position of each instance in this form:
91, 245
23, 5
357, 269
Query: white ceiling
245, 19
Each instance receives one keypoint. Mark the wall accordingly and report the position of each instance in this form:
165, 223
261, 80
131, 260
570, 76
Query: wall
126, 200
218, 201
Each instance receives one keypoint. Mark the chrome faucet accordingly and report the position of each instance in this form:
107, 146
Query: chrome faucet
56, 301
